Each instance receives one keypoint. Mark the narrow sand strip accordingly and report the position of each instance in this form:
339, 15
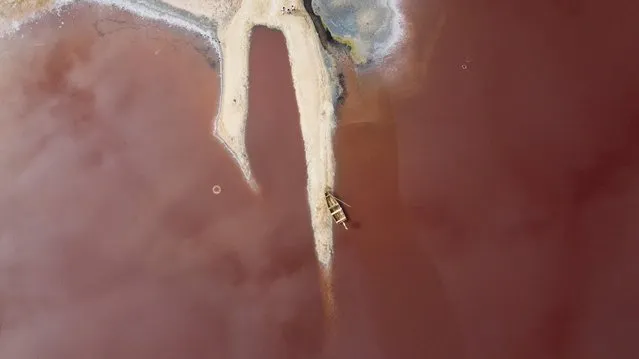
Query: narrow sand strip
313, 91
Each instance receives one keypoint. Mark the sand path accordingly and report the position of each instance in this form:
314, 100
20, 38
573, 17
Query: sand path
313, 92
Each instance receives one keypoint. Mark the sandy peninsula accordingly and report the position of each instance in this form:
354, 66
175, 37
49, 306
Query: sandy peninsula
234, 21
228, 24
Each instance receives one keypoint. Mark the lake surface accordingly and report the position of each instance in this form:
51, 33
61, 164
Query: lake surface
490, 167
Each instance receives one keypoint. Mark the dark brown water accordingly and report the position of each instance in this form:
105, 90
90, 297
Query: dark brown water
505, 162
492, 184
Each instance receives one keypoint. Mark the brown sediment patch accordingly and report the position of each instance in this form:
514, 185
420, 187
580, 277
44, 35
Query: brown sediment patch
273, 131
276, 150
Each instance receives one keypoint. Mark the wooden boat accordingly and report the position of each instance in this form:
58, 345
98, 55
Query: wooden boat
335, 209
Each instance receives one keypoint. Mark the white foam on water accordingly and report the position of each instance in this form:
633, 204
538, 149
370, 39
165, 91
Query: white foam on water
398, 30
146, 9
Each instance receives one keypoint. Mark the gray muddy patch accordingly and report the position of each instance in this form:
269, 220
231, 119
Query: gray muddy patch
369, 27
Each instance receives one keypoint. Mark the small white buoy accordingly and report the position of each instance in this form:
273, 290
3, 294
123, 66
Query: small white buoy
464, 67
216, 189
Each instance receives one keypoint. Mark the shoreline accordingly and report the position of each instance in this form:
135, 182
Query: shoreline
153, 10
315, 81
227, 26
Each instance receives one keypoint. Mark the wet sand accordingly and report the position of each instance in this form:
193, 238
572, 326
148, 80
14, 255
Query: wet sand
276, 148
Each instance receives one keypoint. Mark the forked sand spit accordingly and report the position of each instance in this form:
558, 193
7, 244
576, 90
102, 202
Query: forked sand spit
313, 79
313, 91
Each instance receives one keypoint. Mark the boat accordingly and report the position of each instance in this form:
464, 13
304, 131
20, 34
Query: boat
335, 208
